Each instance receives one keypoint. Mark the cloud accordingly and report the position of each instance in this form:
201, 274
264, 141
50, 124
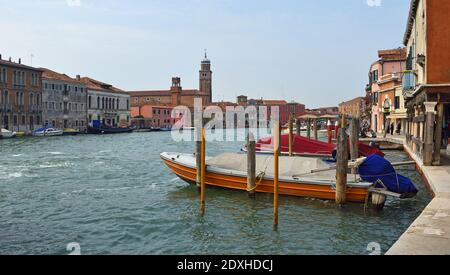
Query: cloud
374, 3
73, 3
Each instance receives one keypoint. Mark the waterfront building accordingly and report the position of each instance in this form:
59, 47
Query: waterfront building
426, 80
64, 101
106, 103
391, 101
389, 62
355, 108
20, 96
323, 111
148, 116
176, 95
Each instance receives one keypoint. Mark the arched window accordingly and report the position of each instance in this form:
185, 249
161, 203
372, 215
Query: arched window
113, 103
98, 102
38, 100
118, 104
103, 103
90, 102
31, 99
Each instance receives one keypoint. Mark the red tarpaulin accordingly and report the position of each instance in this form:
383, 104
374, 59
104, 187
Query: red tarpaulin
303, 145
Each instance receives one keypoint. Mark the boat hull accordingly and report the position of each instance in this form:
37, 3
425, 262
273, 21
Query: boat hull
106, 131
288, 188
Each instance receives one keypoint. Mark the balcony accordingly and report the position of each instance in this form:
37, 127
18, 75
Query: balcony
6, 107
35, 109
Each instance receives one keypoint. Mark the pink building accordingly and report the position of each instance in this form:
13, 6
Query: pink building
152, 116
389, 62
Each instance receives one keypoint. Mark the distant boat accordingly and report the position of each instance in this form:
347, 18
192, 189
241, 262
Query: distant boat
70, 132
7, 134
97, 128
47, 132
166, 129
143, 130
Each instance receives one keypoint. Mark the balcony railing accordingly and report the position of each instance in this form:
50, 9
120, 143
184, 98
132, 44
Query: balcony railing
5, 108
409, 81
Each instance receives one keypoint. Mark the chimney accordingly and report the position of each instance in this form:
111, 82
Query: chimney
78, 77
20, 60
0, 56
10, 59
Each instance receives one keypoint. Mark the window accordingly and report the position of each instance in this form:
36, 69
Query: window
15, 120
23, 120
397, 103
98, 102
3, 75
375, 76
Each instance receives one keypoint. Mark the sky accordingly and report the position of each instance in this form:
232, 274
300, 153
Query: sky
314, 52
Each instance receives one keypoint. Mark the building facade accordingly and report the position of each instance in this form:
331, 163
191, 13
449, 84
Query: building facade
355, 108
426, 80
148, 116
176, 95
20, 96
64, 101
106, 103
390, 62
144, 102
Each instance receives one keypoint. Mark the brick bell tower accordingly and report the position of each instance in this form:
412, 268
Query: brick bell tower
176, 91
206, 79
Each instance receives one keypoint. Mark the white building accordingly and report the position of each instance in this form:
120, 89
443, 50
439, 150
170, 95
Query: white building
107, 103
64, 101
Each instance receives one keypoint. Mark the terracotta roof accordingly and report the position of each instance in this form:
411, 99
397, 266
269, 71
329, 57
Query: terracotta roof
149, 93
410, 22
96, 85
51, 75
161, 93
17, 65
392, 54
275, 102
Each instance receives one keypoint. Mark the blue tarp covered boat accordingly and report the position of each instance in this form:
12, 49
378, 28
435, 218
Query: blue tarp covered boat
380, 171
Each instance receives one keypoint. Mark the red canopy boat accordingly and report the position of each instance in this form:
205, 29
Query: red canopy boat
306, 146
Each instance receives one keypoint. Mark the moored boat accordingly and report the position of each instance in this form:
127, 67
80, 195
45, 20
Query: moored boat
47, 132
303, 146
97, 128
229, 171
7, 134
70, 132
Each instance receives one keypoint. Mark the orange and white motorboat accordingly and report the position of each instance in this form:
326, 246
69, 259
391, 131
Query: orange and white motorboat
298, 176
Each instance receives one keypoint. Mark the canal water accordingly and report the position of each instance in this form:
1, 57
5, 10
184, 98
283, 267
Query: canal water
113, 195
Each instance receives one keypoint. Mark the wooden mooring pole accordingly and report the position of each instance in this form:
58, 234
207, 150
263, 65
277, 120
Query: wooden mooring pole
203, 174
308, 128
251, 165
316, 130
329, 132
354, 141
336, 130
291, 135
276, 154
198, 156
341, 166
298, 127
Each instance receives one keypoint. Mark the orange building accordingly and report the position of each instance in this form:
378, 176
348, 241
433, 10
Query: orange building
20, 96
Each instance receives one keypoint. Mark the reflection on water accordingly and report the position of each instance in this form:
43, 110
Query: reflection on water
113, 195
